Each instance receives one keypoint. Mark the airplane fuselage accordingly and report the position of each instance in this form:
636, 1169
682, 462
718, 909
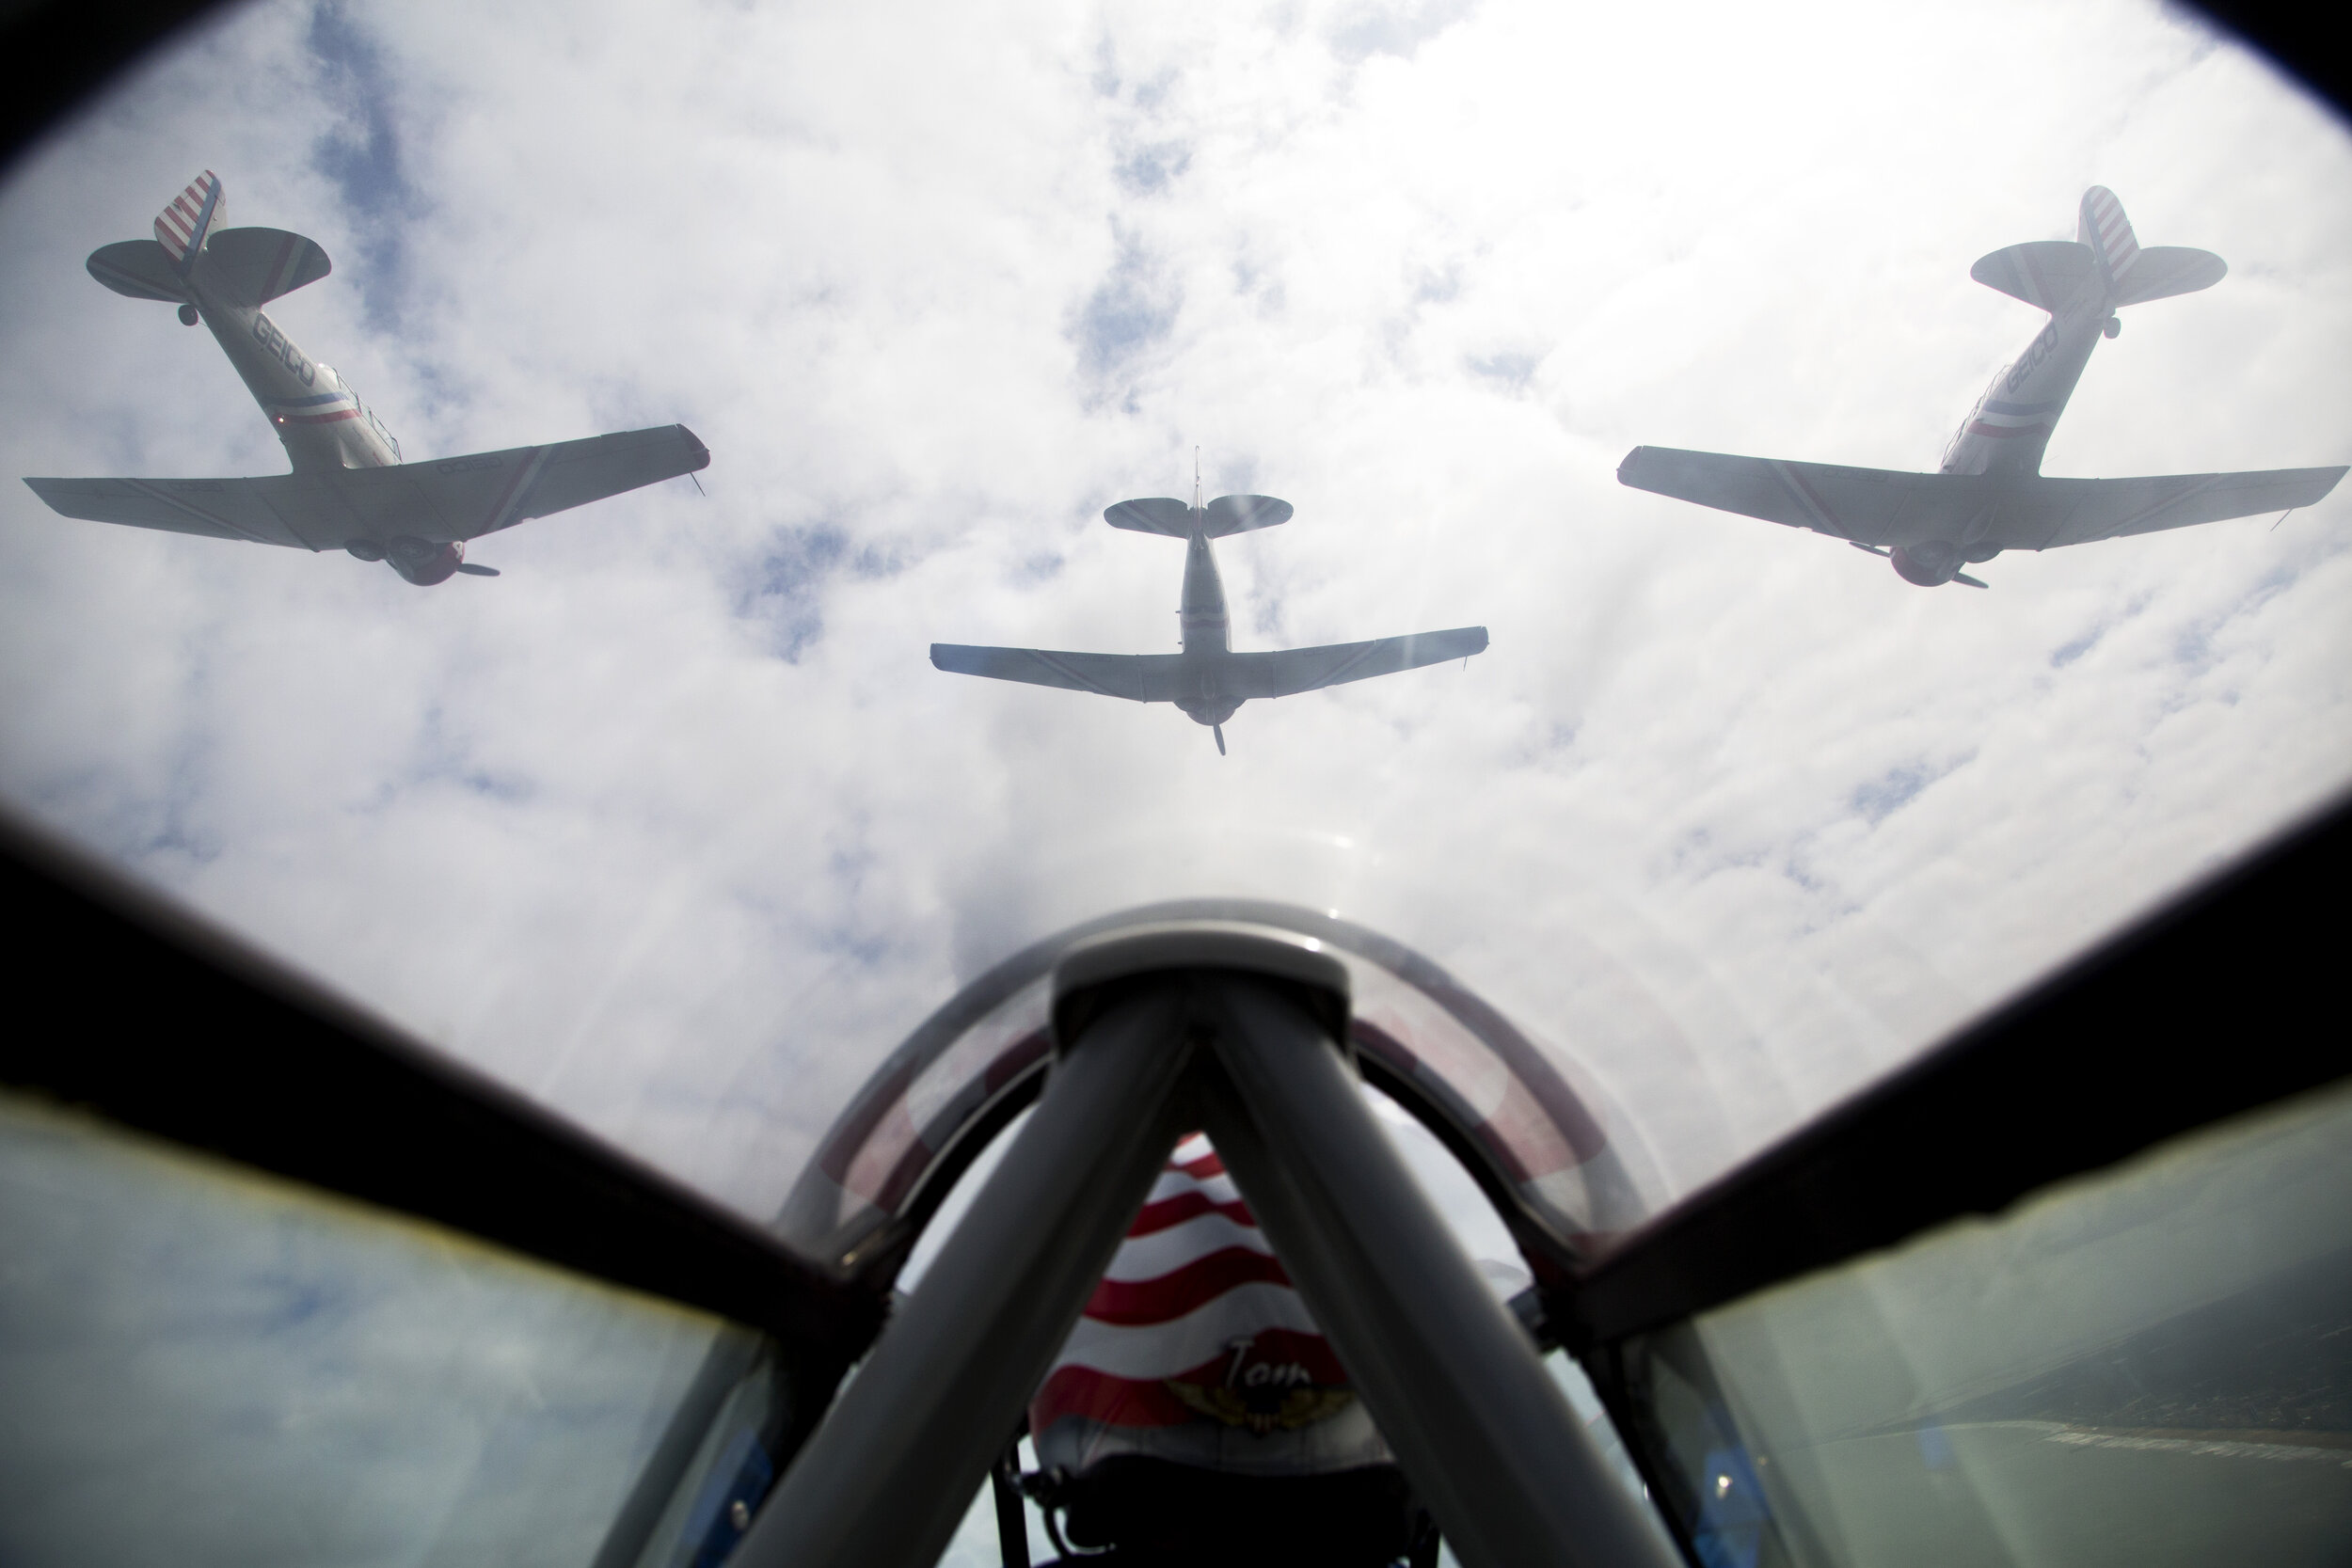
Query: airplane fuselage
2007, 430
321, 421
2010, 428
1205, 632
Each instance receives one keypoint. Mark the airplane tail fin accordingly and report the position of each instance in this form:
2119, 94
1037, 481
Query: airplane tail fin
2049, 272
2136, 275
182, 228
2104, 228
252, 265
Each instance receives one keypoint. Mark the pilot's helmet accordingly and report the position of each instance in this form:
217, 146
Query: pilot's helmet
1196, 1407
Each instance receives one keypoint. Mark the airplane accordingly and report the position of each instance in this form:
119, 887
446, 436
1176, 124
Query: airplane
1208, 680
1989, 495
349, 488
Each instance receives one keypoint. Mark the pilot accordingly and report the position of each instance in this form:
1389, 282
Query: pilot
1195, 1416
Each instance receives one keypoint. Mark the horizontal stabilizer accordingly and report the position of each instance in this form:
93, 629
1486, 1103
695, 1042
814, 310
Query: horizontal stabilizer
1287, 671
2049, 272
256, 265
1240, 513
1226, 515
141, 268
444, 501
1159, 514
1138, 678
2043, 273
1881, 507
2161, 271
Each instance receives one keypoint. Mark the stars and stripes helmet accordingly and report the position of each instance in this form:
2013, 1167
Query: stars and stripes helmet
1195, 1348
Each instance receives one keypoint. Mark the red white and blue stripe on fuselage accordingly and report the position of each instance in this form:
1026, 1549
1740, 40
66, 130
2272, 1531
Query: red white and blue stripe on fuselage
325, 408
1999, 420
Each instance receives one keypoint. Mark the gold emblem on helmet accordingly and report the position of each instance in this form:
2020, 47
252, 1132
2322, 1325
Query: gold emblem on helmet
1262, 1410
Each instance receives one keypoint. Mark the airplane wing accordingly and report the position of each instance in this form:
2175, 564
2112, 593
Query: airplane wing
1288, 671
2081, 510
447, 499
1883, 507
1138, 678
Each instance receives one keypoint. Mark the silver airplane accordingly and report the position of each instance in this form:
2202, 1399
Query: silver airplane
349, 489
1208, 679
1989, 495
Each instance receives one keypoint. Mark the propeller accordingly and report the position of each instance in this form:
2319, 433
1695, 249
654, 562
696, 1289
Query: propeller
1962, 577
1874, 549
1218, 731
474, 571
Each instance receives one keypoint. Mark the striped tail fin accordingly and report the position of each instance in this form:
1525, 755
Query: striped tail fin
195, 213
2109, 233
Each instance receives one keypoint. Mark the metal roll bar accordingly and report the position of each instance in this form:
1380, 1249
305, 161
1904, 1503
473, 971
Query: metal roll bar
1240, 1028
886, 1477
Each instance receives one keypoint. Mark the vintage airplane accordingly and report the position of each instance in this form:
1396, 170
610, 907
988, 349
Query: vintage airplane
349, 489
1208, 679
1989, 496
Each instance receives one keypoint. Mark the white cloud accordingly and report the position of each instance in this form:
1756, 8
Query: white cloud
674, 824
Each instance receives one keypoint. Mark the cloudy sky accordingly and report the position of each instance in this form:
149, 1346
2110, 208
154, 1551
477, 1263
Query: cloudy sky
674, 826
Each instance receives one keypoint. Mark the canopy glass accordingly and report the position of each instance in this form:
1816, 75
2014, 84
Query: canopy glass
676, 826
2144, 1366
205, 1366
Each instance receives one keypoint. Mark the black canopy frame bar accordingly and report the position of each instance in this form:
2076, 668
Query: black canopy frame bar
162, 1024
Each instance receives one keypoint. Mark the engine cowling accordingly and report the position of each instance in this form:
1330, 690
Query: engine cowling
1211, 710
423, 561
1930, 563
